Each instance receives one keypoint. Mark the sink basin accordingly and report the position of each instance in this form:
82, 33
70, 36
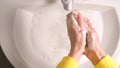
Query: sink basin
41, 38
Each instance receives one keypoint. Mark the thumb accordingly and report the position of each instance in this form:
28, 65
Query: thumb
83, 33
90, 39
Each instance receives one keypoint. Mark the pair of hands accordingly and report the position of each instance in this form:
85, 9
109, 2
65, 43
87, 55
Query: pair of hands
83, 38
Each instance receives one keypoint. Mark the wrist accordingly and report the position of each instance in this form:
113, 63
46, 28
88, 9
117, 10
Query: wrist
96, 55
76, 52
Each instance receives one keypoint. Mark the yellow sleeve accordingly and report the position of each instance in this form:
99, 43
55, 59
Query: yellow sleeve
67, 62
107, 62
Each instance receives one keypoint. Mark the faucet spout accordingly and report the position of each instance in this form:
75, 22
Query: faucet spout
67, 4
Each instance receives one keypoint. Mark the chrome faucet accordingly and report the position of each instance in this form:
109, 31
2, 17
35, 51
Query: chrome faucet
67, 4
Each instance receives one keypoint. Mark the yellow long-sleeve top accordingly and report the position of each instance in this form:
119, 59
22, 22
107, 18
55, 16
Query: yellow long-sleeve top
69, 62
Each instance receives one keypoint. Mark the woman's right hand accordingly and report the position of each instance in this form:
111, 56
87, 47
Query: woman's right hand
93, 48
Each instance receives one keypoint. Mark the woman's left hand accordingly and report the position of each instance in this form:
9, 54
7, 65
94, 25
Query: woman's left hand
77, 34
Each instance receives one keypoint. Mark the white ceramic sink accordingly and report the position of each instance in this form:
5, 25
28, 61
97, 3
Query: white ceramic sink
40, 35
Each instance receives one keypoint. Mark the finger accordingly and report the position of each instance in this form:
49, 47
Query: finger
89, 36
89, 24
68, 19
80, 20
71, 19
72, 26
74, 12
83, 33
90, 39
